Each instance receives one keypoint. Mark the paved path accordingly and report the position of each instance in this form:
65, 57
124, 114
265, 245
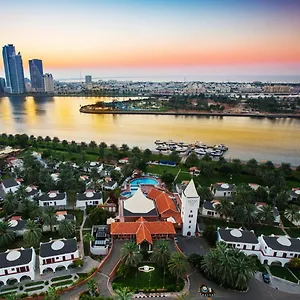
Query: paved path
81, 246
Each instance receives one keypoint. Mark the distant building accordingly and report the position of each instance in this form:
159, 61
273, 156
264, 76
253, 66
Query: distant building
13, 67
2, 85
88, 79
36, 75
48, 83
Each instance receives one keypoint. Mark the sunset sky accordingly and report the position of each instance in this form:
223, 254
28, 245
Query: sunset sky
144, 38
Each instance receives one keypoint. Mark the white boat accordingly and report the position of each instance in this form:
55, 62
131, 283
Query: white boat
159, 142
221, 147
162, 148
216, 153
170, 143
200, 145
200, 151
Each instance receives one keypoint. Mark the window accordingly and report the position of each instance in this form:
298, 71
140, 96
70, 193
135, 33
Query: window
190, 222
189, 227
253, 247
191, 211
284, 255
244, 247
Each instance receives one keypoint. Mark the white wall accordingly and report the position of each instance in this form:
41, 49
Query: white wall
189, 214
53, 203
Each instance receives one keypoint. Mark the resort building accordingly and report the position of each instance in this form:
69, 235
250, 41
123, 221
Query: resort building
209, 209
53, 198
294, 194
88, 198
189, 209
94, 165
167, 205
136, 206
142, 231
222, 189
14, 163
101, 243
17, 225
110, 185
58, 254
32, 191
60, 216
10, 185
17, 265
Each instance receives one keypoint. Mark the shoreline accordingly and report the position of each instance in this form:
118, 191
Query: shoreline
88, 110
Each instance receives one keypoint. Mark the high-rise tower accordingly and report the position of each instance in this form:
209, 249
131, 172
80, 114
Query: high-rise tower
13, 67
189, 209
36, 75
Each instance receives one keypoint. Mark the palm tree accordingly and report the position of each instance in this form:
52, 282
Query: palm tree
130, 255
292, 213
250, 213
252, 166
87, 238
123, 294
21, 194
10, 203
238, 213
224, 207
32, 234
178, 265
49, 217
7, 236
51, 294
266, 214
92, 287
294, 262
66, 229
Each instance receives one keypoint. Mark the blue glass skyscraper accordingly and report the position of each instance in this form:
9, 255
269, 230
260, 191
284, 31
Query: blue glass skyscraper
13, 67
36, 75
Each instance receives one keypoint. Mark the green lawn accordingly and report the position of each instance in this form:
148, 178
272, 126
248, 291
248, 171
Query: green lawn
293, 232
154, 169
296, 272
265, 229
219, 222
137, 280
78, 214
282, 273
286, 222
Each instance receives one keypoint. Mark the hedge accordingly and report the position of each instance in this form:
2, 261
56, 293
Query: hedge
61, 278
34, 283
36, 288
62, 283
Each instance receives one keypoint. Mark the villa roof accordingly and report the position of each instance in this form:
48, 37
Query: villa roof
221, 186
52, 196
190, 191
58, 247
89, 195
10, 182
142, 229
282, 243
295, 192
162, 200
16, 225
235, 235
209, 205
15, 257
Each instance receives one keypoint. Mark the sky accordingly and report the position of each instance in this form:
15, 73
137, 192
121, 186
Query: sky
183, 39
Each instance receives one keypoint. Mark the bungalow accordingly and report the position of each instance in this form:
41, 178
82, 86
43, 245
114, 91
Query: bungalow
55, 177
142, 231
243, 240
124, 160
32, 191
85, 179
94, 165
278, 250
17, 225
88, 198
294, 194
14, 162
57, 254
53, 198
110, 185
194, 171
60, 216
222, 189
209, 209
100, 245
17, 265
10, 185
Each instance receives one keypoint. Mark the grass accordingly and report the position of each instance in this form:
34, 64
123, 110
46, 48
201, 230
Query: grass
144, 281
283, 273
62, 283
17, 243
47, 235
36, 288
260, 229
286, 222
9, 289
60, 278
296, 272
293, 232
220, 222
34, 283
154, 169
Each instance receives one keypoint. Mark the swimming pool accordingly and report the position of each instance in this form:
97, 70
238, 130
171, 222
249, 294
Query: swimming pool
126, 194
143, 180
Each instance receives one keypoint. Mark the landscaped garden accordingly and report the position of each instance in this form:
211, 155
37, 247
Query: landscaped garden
283, 273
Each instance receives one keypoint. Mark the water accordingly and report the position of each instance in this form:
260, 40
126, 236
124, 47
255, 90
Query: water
264, 139
145, 180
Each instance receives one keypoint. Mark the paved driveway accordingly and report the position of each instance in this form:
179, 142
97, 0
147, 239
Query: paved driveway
190, 245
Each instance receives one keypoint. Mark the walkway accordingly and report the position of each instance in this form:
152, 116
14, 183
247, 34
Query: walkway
81, 247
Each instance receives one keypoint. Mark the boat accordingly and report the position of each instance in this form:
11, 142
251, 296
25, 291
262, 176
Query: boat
221, 147
162, 148
200, 145
159, 142
216, 153
181, 150
200, 151
170, 143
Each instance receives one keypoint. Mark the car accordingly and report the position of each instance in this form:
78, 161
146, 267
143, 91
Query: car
266, 277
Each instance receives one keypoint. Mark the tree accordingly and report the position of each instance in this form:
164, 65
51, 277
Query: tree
66, 229
224, 207
92, 287
196, 260
98, 216
124, 148
266, 214
250, 215
161, 253
10, 204
244, 194
285, 168
130, 255
205, 193
167, 178
49, 217
87, 238
147, 154
261, 194
192, 160
210, 234
295, 262
136, 152
92, 144
282, 200
51, 294
123, 294
292, 213
32, 234
7, 236
178, 265
252, 166
174, 157
236, 165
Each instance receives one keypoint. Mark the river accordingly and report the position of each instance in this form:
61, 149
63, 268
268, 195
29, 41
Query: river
264, 139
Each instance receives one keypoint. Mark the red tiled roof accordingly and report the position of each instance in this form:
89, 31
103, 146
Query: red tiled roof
163, 200
142, 229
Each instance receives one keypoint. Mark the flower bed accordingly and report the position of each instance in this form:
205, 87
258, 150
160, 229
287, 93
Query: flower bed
35, 288
62, 283
60, 278
34, 283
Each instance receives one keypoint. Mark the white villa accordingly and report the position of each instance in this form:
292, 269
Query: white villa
60, 216
100, 245
57, 254
222, 189
209, 209
53, 198
32, 191
89, 198
294, 194
17, 225
268, 249
95, 165
110, 185
10, 185
17, 264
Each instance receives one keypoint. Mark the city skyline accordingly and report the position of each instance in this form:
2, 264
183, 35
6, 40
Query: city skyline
108, 39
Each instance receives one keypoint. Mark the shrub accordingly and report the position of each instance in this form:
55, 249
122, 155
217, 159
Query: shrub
62, 283
61, 278
34, 283
36, 288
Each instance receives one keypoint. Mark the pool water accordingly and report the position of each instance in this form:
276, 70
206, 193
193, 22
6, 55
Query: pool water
144, 180
126, 194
